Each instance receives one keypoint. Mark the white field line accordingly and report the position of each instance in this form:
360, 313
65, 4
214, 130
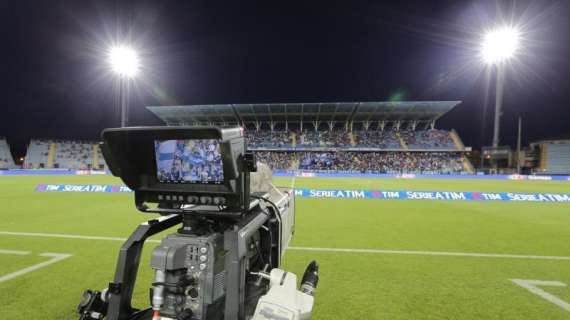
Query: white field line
435, 253
532, 286
65, 236
15, 252
317, 249
55, 257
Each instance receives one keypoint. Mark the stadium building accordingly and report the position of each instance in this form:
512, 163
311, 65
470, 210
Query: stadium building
376, 137
371, 137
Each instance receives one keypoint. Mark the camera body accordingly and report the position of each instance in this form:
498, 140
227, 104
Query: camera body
217, 265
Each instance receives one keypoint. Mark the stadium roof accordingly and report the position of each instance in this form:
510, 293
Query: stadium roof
421, 111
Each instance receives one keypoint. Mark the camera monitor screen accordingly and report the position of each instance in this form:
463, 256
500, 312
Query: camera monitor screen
189, 161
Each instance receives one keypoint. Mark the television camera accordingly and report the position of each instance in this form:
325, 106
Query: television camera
224, 261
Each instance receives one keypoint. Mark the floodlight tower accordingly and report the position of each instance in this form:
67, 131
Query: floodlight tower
499, 46
124, 62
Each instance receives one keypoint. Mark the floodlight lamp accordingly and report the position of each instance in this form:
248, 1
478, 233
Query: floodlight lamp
500, 45
124, 61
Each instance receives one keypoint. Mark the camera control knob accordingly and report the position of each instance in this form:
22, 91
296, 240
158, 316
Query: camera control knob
219, 201
205, 200
192, 199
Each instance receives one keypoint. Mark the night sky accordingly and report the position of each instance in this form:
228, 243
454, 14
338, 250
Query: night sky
55, 82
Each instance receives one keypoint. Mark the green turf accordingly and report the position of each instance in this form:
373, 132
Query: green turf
353, 285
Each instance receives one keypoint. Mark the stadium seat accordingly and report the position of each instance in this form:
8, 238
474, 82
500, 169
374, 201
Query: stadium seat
557, 158
64, 154
36, 155
6, 160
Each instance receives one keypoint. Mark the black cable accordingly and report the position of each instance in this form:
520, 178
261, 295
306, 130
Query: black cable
259, 253
270, 246
269, 231
270, 241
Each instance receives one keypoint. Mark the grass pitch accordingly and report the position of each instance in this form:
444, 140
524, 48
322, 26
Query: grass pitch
354, 285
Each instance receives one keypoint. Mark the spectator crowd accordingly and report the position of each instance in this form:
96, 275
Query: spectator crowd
400, 161
428, 139
268, 139
371, 162
388, 139
377, 139
311, 138
276, 160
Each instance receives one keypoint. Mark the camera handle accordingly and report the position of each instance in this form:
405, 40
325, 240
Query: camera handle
121, 289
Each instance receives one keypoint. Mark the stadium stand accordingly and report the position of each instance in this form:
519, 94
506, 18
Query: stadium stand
278, 160
428, 139
388, 140
6, 160
326, 138
556, 157
37, 154
387, 162
367, 162
75, 155
267, 138
379, 137
63, 154
373, 137
98, 159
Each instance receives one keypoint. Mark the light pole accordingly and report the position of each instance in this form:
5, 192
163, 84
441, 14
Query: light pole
124, 62
499, 46
519, 146
498, 104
